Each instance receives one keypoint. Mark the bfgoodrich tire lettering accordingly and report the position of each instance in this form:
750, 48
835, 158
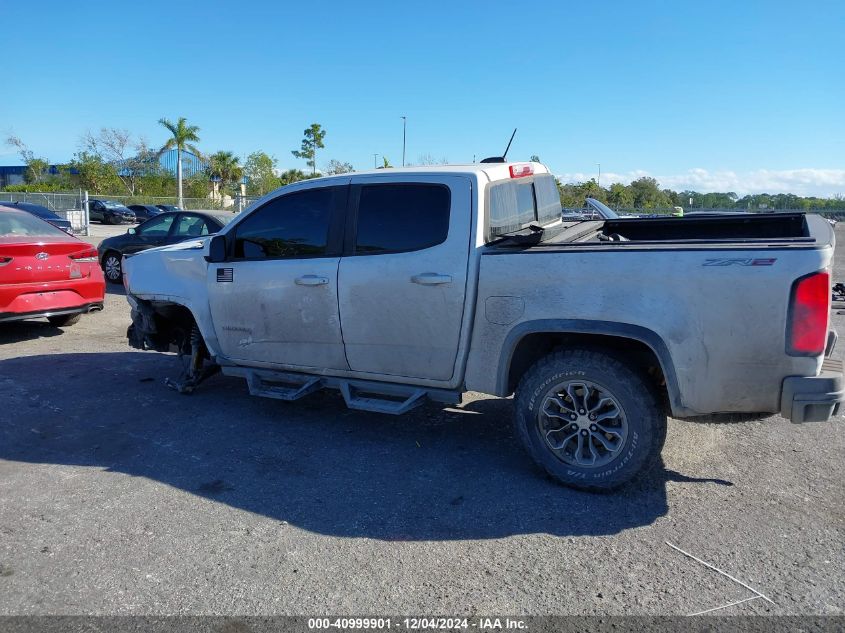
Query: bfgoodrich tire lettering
611, 425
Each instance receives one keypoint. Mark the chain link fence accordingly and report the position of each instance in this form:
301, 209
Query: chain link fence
70, 205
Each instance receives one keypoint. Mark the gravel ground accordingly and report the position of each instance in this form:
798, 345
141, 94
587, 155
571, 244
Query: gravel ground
119, 496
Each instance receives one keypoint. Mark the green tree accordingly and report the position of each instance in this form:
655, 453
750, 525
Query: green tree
260, 170
535, 159
336, 167
620, 196
183, 138
591, 189
196, 186
293, 175
94, 174
227, 167
647, 194
312, 141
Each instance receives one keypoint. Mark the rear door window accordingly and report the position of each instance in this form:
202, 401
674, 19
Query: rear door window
401, 217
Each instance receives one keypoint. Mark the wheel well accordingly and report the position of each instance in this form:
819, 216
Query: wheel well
165, 325
106, 254
533, 347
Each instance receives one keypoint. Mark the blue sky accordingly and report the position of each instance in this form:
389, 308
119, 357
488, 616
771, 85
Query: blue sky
739, 95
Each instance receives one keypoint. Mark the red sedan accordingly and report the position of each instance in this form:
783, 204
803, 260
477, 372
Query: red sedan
44, 272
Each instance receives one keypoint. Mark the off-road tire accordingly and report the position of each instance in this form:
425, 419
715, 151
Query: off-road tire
64, 320
645, 416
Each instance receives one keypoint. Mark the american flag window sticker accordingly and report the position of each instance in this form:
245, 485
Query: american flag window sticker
225, 275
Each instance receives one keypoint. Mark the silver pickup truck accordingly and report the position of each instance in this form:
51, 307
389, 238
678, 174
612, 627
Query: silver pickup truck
403, 285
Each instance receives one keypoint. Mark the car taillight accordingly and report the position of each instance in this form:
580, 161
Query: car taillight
88, 255
521, 170
809, 310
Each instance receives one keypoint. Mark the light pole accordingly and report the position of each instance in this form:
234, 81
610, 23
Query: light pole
375, 164
598, 182
404, 129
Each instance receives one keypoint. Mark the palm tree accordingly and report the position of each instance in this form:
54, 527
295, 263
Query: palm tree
184, 136
225, 166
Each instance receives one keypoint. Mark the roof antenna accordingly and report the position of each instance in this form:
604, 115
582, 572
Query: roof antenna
503, 157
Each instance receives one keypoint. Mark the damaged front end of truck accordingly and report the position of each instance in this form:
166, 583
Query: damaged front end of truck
170, 327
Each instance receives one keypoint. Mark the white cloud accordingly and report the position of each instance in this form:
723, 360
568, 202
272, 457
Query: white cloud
802, 182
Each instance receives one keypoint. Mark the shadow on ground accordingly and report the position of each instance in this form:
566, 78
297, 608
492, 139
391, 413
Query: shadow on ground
18, 331
430, 475
115, 289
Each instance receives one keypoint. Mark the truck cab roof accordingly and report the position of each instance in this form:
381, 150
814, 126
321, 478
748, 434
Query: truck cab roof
487, 171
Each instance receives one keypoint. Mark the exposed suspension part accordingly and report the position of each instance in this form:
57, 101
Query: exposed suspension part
198, 371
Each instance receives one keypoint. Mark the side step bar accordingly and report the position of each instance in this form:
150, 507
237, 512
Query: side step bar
283, 387
362, 395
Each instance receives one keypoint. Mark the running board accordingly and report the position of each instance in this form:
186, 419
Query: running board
362, 395
351, 394
288, 387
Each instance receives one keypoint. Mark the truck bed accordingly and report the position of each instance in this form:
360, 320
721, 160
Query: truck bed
782, 229
713, 290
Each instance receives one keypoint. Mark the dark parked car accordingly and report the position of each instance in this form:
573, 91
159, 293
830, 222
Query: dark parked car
166, 228
42, 212
144, 212
168, 207
110, 212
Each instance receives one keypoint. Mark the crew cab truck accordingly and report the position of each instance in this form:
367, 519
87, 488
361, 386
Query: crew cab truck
400, 285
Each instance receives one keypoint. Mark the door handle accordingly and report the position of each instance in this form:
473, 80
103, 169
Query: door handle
311, 280
431, 279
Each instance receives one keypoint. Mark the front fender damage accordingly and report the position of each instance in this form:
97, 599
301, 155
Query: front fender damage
143, 333
171, 327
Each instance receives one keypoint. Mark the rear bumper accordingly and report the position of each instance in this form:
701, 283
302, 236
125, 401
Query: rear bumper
83, 309
814, 398
32, 300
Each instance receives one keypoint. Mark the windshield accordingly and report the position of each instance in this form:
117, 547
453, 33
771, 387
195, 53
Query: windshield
605, 211
20, 223
115, 205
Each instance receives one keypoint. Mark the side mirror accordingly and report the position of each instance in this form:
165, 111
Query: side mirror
216, 249
131, 230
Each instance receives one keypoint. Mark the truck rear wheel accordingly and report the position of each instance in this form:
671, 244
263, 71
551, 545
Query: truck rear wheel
590, 420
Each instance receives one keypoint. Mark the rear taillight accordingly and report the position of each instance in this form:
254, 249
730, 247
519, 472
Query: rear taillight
809, 311
88, 255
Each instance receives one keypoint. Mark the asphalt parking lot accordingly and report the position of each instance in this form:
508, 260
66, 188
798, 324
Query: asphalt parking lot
119, 496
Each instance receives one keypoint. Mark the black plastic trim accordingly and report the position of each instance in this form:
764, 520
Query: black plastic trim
583, 326
814, 398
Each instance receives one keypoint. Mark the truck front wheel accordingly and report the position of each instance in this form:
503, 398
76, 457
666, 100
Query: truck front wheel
588, 419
